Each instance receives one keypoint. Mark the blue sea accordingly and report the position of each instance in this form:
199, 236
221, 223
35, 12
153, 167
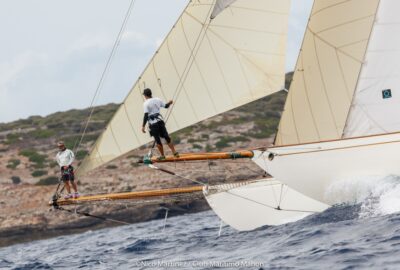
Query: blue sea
346, 236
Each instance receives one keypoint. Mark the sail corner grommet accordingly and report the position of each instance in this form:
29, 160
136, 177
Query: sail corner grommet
271, 156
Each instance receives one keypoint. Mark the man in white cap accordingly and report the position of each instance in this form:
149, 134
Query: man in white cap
64, 158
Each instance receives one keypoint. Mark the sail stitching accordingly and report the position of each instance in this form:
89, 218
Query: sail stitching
191, 59
324, 86
233, 6
160, 86
327, 7
345, 23
220, 68
239, 53
180, 79
198, 69
130, 122
333, 46
308, 99
248, 30
343, 77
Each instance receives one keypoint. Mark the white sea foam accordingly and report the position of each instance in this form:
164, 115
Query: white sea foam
378, 195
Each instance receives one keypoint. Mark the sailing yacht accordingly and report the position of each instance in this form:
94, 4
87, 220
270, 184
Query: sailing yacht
339, 119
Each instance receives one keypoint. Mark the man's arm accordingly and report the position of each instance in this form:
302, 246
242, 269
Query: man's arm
145, 119
168, 104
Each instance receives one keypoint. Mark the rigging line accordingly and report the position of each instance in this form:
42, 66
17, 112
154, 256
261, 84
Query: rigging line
270, 206
175, 174
103, 75
280, 197
191, 59
229, 192
86, 214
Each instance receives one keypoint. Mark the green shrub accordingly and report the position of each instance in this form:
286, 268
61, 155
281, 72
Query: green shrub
41, 133
53, 164
226, 140
81, 154
34, 156
16, 180
13, 138
205, 136
13, 163
51, 180
197, 146
175, 139
71, 140
39, 173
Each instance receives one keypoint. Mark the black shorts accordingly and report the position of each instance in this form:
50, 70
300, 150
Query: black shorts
68, 174
158, 131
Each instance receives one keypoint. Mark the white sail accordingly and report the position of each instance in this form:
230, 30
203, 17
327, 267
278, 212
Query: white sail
207, 66
259, 203
368, 145
327, 70
375, 107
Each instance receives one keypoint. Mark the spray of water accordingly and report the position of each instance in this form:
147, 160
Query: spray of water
378, 195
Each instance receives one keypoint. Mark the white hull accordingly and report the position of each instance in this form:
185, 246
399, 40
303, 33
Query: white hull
312, 168
247, 207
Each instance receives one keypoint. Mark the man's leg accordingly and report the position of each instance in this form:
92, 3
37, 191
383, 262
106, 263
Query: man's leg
171, 146
165, 135
74, 186
67, 187
160, 149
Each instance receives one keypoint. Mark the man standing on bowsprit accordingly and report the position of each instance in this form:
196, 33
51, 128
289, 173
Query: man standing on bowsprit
156, 123
64, 158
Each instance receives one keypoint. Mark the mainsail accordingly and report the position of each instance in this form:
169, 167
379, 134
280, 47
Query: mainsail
207, 66
327, 71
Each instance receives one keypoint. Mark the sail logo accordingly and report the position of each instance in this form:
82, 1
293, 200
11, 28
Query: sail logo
387, 93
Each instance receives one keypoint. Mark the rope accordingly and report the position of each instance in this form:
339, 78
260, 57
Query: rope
229, 192
86, 214
190, 62
103, 75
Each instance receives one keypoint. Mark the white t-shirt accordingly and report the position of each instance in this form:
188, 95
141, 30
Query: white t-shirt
152, 106
65, 158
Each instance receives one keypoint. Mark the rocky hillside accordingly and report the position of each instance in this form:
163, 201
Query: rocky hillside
29, 173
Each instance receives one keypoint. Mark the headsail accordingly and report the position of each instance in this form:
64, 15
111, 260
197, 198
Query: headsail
375, 107
208, 66
327, 70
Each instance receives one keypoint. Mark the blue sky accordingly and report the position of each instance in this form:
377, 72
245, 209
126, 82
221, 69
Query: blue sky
53, 52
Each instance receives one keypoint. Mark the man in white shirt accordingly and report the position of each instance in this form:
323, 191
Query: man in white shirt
64, 158
157, 128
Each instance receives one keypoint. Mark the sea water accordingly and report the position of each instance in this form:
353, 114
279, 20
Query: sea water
361, 232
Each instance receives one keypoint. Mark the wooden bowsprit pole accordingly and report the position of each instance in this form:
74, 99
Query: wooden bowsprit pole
127, 195
200, 156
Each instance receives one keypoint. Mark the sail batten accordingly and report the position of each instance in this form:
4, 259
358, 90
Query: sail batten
207, 66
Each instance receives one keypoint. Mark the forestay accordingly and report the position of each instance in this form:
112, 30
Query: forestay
327, 71
207, 66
